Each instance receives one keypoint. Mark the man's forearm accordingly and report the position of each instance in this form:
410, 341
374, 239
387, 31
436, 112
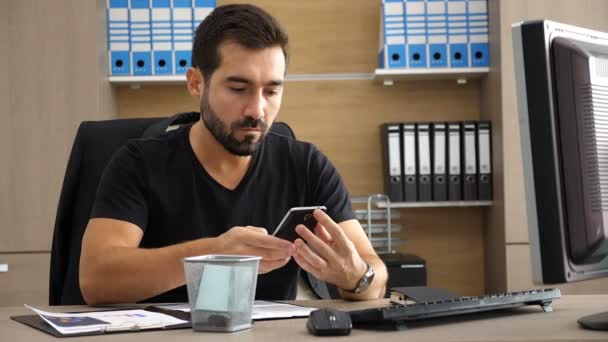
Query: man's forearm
128, 275
377, 288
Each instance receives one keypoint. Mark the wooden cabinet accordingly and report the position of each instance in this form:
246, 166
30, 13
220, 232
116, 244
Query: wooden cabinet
24, 279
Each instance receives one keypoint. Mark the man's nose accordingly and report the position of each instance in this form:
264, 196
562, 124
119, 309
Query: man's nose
255, 107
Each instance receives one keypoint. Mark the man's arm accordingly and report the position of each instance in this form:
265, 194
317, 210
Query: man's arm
355, 233
341, 252
113, 269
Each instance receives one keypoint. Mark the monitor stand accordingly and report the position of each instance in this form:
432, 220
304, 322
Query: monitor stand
598, 321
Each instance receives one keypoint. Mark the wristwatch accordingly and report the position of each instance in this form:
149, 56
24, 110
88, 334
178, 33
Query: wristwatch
364, 282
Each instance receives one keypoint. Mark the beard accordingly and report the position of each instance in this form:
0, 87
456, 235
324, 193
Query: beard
225, 135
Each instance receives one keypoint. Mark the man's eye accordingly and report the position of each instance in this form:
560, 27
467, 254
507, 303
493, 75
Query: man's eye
237, 90
272, 92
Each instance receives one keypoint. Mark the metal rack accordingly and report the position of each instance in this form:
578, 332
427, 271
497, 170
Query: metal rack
378, 222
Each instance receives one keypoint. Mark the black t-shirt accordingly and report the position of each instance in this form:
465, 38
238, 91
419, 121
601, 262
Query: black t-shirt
159, 185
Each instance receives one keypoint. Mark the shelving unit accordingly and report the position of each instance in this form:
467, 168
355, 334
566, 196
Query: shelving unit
436, 204
461, 75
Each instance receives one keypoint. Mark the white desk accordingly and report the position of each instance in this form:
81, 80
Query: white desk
527, 324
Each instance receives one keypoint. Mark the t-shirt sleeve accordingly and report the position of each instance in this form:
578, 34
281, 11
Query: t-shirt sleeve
122, 190
328, 189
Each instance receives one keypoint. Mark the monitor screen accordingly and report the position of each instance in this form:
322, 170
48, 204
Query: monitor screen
562, 90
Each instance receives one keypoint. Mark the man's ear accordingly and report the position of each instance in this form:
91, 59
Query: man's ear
195, 82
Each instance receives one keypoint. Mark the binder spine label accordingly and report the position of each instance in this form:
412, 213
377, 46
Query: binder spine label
437, 33
424, 149
457, 34
393, 148
454, 146
409, 150
161, 37
393, 31
477, 18
119, 42
469, 145
416, 34
141, 37
439, 150
484, 152
202, 8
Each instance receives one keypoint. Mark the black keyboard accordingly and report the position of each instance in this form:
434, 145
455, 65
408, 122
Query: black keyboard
400, 313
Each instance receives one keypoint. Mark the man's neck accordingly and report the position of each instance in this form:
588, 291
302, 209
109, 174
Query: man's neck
226, 168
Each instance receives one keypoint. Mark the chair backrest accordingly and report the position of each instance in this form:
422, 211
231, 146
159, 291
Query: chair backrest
94, 145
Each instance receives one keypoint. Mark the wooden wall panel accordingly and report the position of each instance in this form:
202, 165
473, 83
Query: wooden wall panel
54, 81
343, 118
451, 242
328, 36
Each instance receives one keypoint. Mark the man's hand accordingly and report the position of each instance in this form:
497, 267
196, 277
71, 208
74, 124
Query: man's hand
250, 240
335, 258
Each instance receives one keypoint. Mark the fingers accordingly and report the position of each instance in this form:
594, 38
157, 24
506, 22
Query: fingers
332, 228
315, 242
306, 266
322, 233
258, 237
308, 255
268, 254
271, 265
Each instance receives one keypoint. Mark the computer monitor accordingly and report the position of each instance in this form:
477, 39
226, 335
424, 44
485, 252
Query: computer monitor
562, 90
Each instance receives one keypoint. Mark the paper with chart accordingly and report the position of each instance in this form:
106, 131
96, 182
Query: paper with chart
105, 321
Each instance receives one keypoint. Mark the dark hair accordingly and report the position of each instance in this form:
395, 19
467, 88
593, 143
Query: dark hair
246, 25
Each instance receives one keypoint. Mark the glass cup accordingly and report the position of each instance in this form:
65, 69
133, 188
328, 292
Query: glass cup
221, 291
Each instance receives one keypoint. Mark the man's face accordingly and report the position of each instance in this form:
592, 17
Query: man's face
243, 96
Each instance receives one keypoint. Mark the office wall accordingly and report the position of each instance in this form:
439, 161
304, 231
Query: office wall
52, 62
343, 119
587, 13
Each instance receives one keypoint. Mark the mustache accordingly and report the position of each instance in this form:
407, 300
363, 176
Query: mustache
250, 122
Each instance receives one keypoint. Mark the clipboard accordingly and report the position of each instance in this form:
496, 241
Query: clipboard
38, 323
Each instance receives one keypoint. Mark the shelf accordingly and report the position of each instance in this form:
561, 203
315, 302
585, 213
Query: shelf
385, 76
461, 75
137, 81
436, 204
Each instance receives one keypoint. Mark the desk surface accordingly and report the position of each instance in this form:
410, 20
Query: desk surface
526, 324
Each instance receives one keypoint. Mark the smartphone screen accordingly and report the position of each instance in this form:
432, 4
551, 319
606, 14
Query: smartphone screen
296, 216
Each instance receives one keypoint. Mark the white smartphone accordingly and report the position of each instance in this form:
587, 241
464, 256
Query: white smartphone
296, 216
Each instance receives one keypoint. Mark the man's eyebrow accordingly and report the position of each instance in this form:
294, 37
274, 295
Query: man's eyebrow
276, 83
239, 79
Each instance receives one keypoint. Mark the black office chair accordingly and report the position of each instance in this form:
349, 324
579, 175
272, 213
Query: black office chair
94, 145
